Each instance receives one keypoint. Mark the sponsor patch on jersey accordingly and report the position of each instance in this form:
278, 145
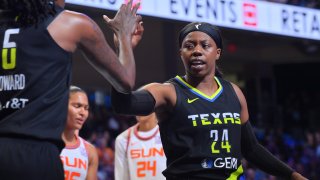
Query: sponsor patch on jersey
207, 163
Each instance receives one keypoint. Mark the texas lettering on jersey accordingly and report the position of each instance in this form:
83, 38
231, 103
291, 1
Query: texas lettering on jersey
215, 118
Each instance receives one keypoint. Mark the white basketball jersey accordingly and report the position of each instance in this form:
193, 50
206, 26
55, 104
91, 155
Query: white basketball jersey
75, 160
139, 155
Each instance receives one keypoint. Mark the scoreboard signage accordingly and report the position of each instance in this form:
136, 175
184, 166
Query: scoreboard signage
249, 15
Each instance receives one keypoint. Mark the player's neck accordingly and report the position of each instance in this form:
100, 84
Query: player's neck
69, 137
146, 126
206, 84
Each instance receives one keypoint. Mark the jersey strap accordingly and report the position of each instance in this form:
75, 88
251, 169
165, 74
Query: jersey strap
128, 141
51, 18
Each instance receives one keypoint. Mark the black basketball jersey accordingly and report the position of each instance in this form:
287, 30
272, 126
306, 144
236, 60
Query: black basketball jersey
34, 83
201, 137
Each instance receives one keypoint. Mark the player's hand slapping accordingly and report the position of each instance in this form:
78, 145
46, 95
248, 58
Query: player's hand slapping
135, 39
125, 22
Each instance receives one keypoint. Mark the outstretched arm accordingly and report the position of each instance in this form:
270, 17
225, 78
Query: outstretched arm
255, 152
118, 70
121, 74
150, 98
71, 30
261, 157
139, 102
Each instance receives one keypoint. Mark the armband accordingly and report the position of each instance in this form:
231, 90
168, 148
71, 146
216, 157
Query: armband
139, 102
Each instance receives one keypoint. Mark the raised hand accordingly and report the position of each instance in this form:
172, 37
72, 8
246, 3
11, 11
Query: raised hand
135, 39
125, 21
137, 35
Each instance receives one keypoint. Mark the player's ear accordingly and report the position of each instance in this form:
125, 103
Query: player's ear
218, 53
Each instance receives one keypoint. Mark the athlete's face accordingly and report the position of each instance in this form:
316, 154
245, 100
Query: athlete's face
78, 110
199, 53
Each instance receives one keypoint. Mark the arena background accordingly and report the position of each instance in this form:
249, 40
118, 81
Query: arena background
278, 74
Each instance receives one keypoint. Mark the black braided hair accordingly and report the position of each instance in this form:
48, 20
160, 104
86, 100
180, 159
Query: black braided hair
27, 12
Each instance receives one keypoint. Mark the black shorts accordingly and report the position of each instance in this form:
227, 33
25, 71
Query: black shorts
29, 159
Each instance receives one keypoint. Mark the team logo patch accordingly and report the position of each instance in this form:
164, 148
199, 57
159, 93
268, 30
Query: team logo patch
197, 26
207, 163
191, 100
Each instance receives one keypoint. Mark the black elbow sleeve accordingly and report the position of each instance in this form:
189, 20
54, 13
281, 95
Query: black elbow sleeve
135, 103
256, 154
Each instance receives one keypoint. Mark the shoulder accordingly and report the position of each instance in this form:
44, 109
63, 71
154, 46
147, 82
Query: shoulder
92, 151
244, 116
238, 92
124, 135
74, 17
74, 20
162, 89
154, 86
90, 147
70, 28
122, 140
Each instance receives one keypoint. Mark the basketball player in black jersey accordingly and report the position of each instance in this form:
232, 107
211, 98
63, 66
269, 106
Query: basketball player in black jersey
203, 119
37, 38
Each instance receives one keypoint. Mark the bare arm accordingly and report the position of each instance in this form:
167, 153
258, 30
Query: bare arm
93, 163
71, 30
164, 95
119, 72
124, 24
244, 114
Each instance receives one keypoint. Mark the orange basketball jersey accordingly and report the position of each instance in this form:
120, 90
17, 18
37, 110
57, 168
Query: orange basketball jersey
75, 160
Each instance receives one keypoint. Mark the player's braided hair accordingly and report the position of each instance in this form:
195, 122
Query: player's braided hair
28, 12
